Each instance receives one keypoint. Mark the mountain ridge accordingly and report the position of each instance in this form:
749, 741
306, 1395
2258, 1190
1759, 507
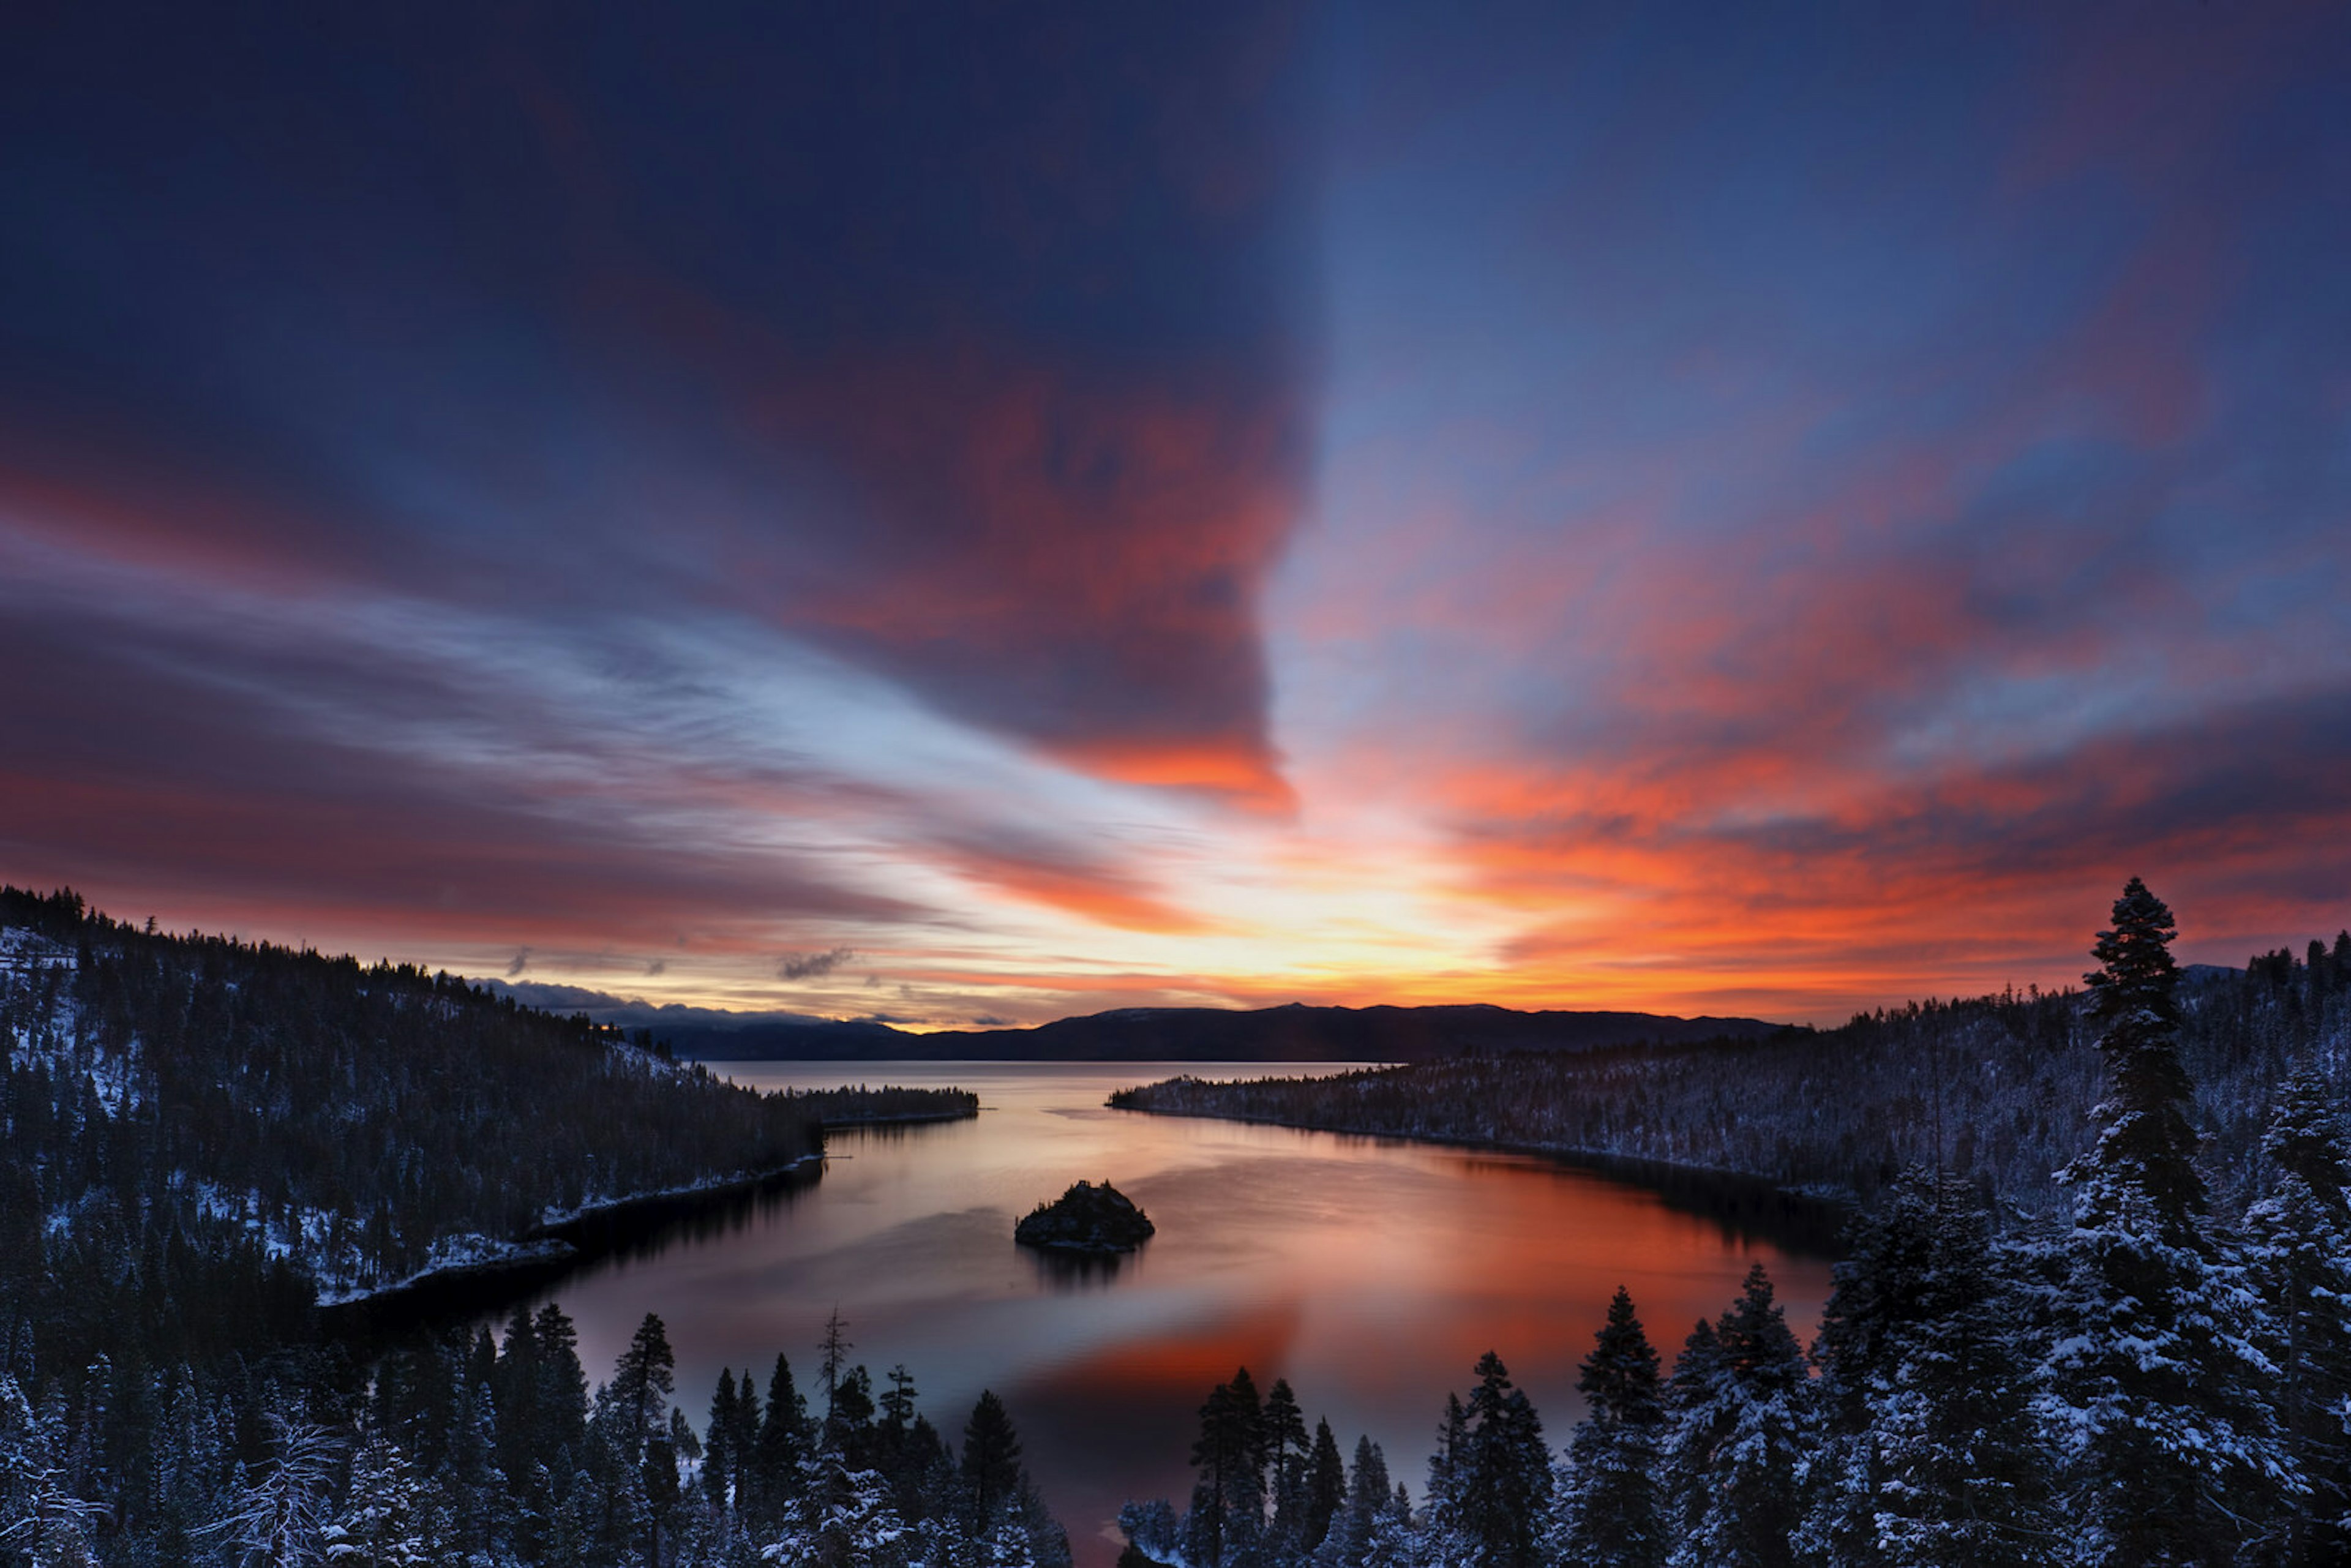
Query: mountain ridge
1295, 1031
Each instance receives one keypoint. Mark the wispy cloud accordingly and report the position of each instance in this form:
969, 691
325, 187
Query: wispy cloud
812, 966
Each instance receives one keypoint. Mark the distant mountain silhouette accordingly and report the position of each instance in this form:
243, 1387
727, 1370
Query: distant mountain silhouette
1292, 1033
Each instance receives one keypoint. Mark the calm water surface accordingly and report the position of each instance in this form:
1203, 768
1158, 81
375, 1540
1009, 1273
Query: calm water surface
1370, 1274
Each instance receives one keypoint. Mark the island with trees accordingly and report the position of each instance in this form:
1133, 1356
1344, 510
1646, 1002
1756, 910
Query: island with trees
1090, 1220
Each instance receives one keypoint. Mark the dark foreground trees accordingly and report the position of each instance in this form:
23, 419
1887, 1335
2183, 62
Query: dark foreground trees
468, 1451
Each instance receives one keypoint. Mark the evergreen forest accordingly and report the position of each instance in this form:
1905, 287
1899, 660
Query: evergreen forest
208, 1139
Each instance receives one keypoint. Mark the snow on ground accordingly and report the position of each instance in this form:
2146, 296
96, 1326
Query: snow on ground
27, 960
26, 952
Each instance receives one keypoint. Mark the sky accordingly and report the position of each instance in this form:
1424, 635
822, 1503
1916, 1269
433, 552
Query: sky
963, 517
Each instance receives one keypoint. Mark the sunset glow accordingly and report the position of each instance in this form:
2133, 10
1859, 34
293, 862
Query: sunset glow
1559, 509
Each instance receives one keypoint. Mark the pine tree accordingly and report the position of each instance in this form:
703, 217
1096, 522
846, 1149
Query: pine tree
1153, 1532
1500, 1473
643, 1379
853, 1412
40, 1514
1284, 1438
897, 1403
1397, 1541
472, 1490
2146, 1153
515, 1379
1367, 1496
1929, 1453
2300, 1239
560, 1405
839, 1518
658, 1479
1739, 1434
383, 1519
718, 1460
1043, 1541
1442, 1520
742, 1431
1226, 1521
1611, 1516
992, 1460
1326, 1489
781, 1445
832, 1352
2156, 1380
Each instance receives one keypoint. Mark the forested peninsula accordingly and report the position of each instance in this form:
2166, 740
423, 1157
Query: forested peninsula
209, 1141
1995, 1090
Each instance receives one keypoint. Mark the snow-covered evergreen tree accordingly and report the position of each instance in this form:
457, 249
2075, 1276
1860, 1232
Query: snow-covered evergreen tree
1397, 1541
1368, 1494
1929, 1452
1153, 1529
1736, 1448
40, 1514
2158, 1377
385, 1521
2300, 1242
473, 1495
1441, 1527
1609, 1514
839, 1518
1499, 1475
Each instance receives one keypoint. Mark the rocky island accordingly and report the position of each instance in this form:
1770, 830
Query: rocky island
1086, 1218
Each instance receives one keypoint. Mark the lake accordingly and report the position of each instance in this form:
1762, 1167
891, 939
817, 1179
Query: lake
1370, 1273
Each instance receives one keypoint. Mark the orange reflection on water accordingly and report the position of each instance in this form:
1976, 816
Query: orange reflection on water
1370, 1274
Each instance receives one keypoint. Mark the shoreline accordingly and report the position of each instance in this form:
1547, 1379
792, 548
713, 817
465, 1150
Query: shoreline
548, 1251
1813, 1221
910, 1119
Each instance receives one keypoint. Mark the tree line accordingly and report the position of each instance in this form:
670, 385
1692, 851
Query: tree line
2140, 1380
1994, 1089
486, 1451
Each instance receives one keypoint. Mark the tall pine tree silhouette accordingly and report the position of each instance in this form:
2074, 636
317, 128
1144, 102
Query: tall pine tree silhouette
1226, 1520
991, 1459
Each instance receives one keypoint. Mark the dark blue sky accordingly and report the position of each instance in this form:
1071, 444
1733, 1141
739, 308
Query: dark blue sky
1540, 503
